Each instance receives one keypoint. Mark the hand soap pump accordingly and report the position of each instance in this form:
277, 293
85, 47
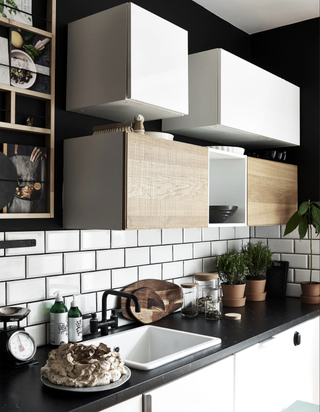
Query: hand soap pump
58, 321
75, 322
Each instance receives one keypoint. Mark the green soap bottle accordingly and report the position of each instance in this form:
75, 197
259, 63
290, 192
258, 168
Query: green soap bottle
74, 322
58, 321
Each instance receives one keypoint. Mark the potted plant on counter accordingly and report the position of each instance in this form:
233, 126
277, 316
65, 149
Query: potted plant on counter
259, 259
232, 269
307, 217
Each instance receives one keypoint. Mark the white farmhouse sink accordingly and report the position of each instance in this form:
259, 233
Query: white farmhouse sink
149, 347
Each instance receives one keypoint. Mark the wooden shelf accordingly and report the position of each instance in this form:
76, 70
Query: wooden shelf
11, 123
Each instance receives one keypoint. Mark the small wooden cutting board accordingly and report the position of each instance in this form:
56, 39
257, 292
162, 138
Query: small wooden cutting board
170, 294
152, 306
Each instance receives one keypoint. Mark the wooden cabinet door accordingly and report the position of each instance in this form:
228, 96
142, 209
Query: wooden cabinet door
166, 184
272, 192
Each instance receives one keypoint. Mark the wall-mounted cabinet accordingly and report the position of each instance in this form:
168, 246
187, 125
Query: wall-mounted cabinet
232, 101
124, 61
272, 192
27, 108
133, 181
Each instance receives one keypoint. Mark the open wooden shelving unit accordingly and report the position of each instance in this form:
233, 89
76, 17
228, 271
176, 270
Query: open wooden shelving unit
11, 94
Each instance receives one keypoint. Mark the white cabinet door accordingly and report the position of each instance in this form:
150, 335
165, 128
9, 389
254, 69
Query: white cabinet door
131, 405
272, 375
209, 389
234, 102
124, 61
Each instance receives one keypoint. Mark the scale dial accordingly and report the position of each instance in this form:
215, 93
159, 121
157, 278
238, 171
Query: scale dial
21, 346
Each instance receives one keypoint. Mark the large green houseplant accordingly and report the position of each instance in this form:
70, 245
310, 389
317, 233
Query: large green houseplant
232, 268
259, 259
307, 217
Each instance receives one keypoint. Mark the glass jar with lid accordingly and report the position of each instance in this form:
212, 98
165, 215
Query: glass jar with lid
208, 289
190, 299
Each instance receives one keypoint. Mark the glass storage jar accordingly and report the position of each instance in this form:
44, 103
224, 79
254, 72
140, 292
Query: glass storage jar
212, 309
208, 289
190, 299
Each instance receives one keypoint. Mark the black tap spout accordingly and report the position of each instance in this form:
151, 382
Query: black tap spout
117, 293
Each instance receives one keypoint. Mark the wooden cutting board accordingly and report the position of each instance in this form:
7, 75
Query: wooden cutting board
152, 306
170, 294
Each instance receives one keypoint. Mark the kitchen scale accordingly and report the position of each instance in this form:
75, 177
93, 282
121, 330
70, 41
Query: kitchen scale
17, 347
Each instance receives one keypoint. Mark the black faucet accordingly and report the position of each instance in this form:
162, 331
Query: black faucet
95, 325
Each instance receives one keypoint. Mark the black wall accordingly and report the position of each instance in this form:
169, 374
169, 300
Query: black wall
206, 31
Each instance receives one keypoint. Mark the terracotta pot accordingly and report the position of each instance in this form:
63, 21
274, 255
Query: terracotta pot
256, 297
255, 286
234, 303
310, 288
310, 300
233, 291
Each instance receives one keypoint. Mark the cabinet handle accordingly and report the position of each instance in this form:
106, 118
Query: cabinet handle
296, 339
146, 403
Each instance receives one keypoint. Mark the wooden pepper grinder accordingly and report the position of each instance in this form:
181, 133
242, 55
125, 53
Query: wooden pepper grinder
138, 124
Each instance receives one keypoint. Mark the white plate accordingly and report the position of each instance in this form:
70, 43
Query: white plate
113, 385
26, 63
161, 135
232, 149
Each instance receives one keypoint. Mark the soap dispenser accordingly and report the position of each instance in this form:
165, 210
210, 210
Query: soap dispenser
58, 321
74, 322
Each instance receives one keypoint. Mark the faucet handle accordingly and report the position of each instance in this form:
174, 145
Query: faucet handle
115, 312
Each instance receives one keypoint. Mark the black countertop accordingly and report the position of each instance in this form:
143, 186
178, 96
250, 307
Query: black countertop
23, 390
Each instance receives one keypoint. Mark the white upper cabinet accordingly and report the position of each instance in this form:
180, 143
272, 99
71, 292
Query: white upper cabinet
232, 101
124, 61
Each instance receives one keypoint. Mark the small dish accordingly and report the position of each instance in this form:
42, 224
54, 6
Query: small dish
22, 61
219, 214
161, 135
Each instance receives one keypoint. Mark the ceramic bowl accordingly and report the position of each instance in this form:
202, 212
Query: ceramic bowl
161, 135
219, 214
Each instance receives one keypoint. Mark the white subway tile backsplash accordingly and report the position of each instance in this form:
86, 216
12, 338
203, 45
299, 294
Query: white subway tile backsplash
192, 235
44, 265
202, 249
12, 268
192, 266
38, 333
304, 275
296, 261
79, 261
315, 262
291, 275
241, 232
183, 252
268, 231
161, 254
65, 284
303, 246
172, 270
40, 312
281, 245
124, 238
210, 233
38, 236
171, 236
109, 259
29, 290
62, 241
2, 294
123, 277
93, 281
149, 237
218, 248
235, 244
293, 290
86, 303
209, 264
137, 256
227, 233
95, 239
179, 281
150, 272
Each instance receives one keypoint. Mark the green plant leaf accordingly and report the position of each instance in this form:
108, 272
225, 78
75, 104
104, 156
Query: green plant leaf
303, 208
292, 223
303, 227
315, 213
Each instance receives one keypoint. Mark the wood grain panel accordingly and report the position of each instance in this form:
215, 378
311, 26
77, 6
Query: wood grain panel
272, 192
167, 183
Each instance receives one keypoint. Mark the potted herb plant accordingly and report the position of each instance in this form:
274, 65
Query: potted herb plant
232, 269
307, 217
259, 259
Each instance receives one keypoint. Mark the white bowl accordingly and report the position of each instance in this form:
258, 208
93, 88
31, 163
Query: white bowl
22, 60
161, 135
232, 149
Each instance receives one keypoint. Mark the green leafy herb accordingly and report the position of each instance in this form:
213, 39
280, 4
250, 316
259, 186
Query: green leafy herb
31, 50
